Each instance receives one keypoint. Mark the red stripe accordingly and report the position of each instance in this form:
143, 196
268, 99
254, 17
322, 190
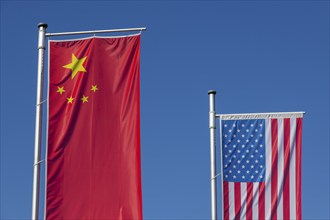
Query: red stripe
274, 198
237, 194
286, 180
298, 167
261, 201
249, 200
225, 201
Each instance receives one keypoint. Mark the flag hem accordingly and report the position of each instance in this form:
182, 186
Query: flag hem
261, 115
47, 126
86, 38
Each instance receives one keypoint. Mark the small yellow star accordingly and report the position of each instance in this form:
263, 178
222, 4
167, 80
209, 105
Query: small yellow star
84, 99
70, 100
60, 90
76, 65
94, 88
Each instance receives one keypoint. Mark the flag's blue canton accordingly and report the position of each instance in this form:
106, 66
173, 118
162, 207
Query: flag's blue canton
243, 150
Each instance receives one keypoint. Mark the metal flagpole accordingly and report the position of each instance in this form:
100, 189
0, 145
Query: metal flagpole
212, 128
38, 126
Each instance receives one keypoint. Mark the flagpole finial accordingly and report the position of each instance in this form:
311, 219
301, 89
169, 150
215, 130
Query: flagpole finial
212, 92
42, 25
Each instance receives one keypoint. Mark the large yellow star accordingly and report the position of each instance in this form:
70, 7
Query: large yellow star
76, 65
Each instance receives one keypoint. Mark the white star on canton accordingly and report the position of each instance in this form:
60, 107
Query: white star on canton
243, 156
260, 125
251, 135
256, 171
238, 151
256, 140
252, 177
234, 156
256, 130
247, 161
251, 125
243, 135
234, 177
238, 161
247, 130
252, 146
238, 130
226, 125
238, 141
248, 171
238, 171
251, 156
261, 166
243, 166
234, 166
252, 166
234, 146
257, 161
260, 135
229, 130
243, 177
230, 171
243, 146
243, 125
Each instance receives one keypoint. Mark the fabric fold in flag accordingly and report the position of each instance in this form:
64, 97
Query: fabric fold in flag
261, 167
93, 158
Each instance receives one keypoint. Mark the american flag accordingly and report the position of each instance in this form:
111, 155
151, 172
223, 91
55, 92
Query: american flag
261, 166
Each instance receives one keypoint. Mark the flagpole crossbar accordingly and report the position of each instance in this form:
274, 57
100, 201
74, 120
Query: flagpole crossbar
96, 31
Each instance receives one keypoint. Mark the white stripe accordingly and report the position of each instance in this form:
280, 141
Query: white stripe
268, 148
280, 167
231, 200
293, 168
255, 210
243, 200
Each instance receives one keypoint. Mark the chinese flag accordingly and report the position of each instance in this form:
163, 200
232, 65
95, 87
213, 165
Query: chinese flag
93, 158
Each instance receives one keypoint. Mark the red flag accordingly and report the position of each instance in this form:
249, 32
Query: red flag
93, 158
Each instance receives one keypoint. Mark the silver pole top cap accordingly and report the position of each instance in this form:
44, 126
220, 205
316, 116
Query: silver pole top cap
212, 92
42, 25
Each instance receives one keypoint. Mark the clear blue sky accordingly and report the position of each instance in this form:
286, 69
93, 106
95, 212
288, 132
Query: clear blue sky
260, 56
